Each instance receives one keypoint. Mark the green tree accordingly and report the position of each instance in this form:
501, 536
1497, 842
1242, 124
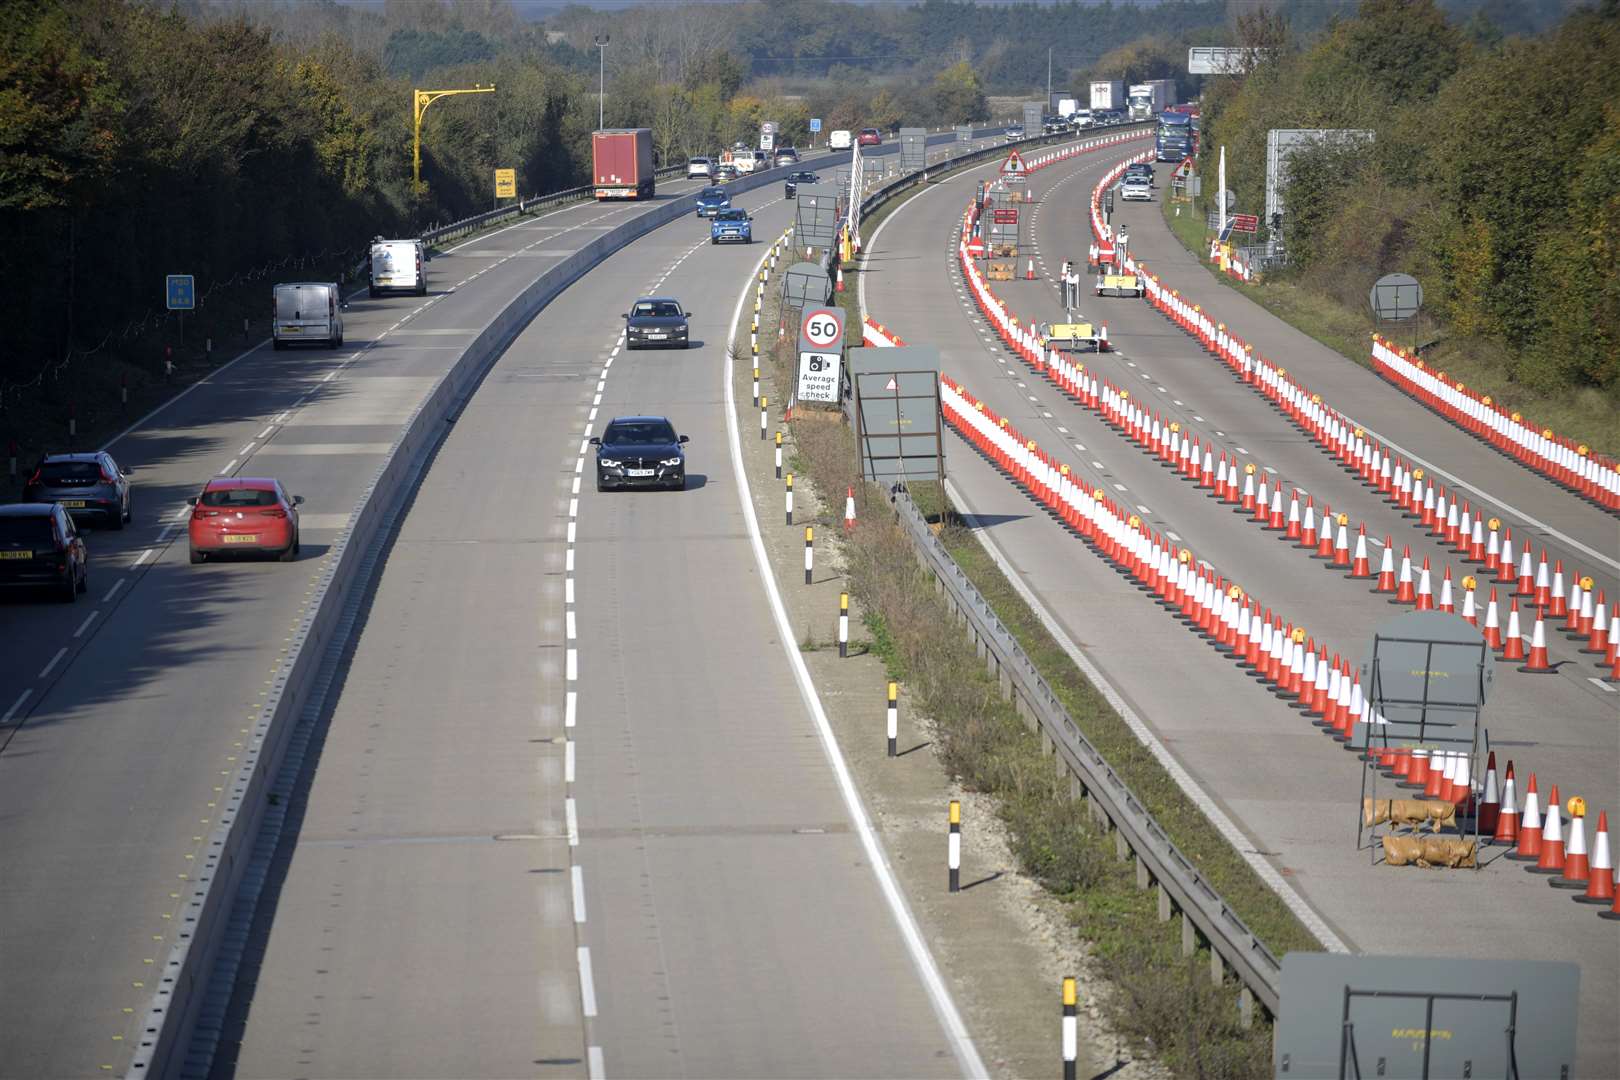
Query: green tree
957, 95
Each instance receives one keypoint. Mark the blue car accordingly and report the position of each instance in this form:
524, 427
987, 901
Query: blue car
712, 200
731, 224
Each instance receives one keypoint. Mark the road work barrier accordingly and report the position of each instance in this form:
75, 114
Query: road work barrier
1565, 461
182, 980
1397, 481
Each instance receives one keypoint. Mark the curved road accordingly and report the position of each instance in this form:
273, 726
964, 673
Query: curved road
1291, 791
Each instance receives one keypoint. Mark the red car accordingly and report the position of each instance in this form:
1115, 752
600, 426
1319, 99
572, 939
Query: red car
248, 514
870, 137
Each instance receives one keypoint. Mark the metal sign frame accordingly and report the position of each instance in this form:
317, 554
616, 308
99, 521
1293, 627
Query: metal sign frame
1284, 143
806, 284
890, 453
913, 149
1395, 297
817, 213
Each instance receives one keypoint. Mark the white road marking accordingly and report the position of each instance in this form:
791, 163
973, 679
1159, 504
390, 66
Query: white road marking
142, 557
568, 761
1172, 536
1120, 487
15, 705
571, 709
112, 592
578, 875
572, 629
594, 1066
330, 375
54, 661
1142, 509
568, 591
86, 624
267, 430
573, 508
228, 467
587, 985
246, 450
571, 816
1607, 688
572, 665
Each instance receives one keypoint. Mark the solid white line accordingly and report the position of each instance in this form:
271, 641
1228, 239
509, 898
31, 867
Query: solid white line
571, 816
15, 705
578, 874
967, 1055
571, 709
112, 592
594, 1065
587, 985
88, 619
54, 661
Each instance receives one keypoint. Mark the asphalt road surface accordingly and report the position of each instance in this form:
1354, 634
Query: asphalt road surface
572, 816
1292, 792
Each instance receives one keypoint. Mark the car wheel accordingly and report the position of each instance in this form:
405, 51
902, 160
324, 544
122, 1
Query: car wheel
288, 553
713, 240
197, 557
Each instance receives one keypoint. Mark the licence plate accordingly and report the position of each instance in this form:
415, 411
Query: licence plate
243, 538
657, 336
16, 554
72, 504
291, 329
639, 472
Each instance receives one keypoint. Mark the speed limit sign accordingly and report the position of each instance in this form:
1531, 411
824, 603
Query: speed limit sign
822, 330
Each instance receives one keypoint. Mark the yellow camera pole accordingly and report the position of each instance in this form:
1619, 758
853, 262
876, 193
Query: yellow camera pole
421, 100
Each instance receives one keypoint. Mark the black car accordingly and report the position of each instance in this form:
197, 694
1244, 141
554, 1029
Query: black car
89, 486
1139, 168
655, 320
790, 188
640, 451
41, 549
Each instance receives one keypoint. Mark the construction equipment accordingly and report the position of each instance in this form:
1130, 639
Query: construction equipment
1073, 337
1110, 284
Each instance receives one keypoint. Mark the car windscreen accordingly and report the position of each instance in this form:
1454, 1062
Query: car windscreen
664, 309
237, 498
70, 472
730, 215
639, 431
699, 161
712, 193
34, 532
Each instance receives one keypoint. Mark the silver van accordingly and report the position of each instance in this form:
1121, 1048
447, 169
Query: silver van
307, 311
398, 266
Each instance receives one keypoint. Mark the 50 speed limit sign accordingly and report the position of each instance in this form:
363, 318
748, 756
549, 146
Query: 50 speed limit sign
822, 330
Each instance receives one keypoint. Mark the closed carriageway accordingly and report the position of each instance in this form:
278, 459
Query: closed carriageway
1289, 792
572, 816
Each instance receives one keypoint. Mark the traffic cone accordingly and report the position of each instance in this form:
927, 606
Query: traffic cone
1445, 603
1557, 603
1359, 566
1578, 598
1291, 531
1386, 569
849, 509
1577, 870
1529, 847
1537, 661
1582, 626
1600, 876
1029, 274
1542, 590
1490, 803
1506, 571
1492, 628
1425, 590
1335, 547
1470, 611
1441, 768
1307, 532
1597, 643
1513, 644
1418, 775
1551, 858
1527, 574
1404, 592
838, 285
1507, 814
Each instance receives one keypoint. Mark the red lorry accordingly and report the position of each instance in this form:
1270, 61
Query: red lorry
622, 163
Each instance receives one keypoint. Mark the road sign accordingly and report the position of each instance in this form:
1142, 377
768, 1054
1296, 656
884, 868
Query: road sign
1009, 216
506, 183
819, 375
181, 290
815, 124
1246, 223
1014, 165
1396, 297
822, 330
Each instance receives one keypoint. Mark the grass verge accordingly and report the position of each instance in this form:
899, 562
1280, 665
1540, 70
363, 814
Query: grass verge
1587, 414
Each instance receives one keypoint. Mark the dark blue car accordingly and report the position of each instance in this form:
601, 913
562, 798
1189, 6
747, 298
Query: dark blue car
712, 200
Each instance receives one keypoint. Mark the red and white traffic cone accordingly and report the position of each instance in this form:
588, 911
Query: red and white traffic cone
1492, 628
1386, 569
1527, 574
1446, 604
1600, 875
1536, 663
1542, 589
1405, 593
849, 509
1360, 567
1529, 845
1425, 589
1577, 870
1490, 803
1597, 643
838, 285
1029, 274
1557, 601
1514, 646
1551, 859
1507, 815
1470, 607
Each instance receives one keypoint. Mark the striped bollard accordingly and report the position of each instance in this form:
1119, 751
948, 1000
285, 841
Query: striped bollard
894, 717
756, 386
763, 416
790, 498
809, 552
954, 851
843, 626
779, 455
1071, 1040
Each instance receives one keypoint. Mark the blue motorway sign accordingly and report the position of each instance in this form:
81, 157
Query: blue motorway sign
815, 125
182, 292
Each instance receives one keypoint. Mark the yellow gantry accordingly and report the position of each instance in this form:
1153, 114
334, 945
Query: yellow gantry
421, 99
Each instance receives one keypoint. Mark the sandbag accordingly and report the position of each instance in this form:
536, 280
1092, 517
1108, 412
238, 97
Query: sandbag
1436, 812
1451, 852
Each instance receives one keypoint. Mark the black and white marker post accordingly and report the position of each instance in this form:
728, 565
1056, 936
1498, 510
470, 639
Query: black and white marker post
954, 851
756, 386
843, 626
894, 720
764, 418
1071, 1042
809, 552
790, 498
779, 455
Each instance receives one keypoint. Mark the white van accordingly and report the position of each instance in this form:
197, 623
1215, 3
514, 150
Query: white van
307, 311
839, 140
398, 266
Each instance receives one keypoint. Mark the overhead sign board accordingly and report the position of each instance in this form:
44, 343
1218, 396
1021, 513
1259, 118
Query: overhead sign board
1214, 60
1014, 165
181, 292
506, 183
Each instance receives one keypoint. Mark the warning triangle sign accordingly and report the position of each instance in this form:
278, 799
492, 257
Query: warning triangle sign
1014, 165
893, 385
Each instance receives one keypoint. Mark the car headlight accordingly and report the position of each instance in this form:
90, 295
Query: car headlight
607, 463
670, 462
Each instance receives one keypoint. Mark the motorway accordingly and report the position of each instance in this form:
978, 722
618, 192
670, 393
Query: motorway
1290, 792
120, 717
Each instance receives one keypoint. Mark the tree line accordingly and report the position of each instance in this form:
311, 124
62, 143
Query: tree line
1492, 174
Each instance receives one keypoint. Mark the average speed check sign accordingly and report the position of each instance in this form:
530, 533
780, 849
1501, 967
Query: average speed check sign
822, 330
